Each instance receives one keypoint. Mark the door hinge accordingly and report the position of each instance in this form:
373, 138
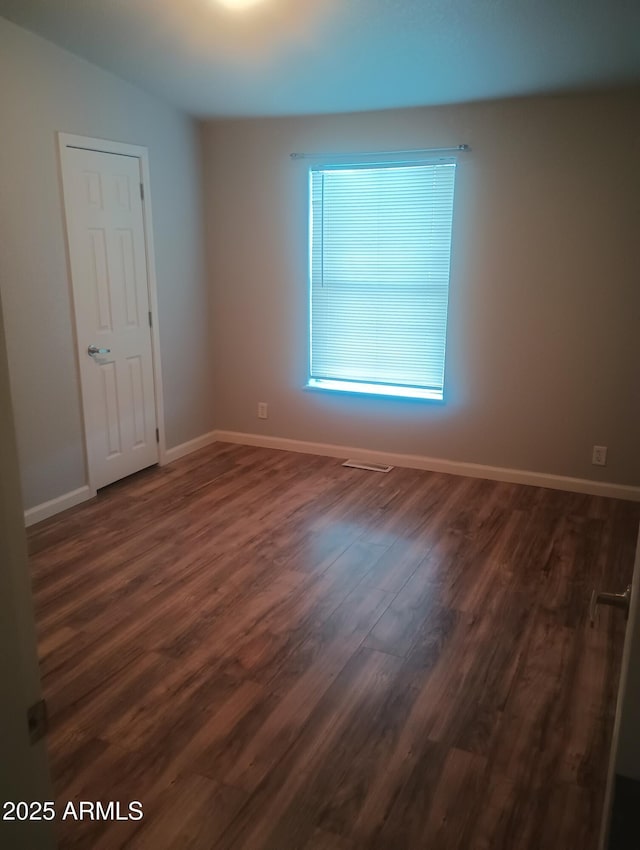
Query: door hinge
141, 192
37, 721
157, 435
150, 320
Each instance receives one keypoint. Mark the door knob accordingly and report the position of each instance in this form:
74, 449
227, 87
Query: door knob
93, 350
618, 600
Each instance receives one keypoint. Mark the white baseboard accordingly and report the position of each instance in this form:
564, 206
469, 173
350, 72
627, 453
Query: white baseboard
472, 470
453, 467
55, 506
76, 497
186, 448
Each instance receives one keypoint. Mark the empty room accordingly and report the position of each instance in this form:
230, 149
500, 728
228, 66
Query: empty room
319, 410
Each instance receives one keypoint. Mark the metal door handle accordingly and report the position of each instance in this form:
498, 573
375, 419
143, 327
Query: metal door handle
618, 600
93, 350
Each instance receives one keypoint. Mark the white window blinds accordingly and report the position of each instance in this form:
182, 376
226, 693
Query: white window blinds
380, 255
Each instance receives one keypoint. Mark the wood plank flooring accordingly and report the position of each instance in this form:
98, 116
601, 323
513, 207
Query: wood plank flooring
271, 651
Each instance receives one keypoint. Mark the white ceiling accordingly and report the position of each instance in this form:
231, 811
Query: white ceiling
283, 57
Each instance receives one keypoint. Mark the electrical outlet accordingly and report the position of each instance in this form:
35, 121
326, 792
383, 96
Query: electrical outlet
599, 456
263, 410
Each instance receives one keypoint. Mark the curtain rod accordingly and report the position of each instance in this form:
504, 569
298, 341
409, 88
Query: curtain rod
381, 153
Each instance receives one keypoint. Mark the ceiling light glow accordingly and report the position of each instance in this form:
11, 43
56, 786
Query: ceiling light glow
239, 4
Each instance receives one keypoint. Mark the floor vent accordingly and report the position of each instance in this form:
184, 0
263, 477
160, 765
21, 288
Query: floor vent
372, 467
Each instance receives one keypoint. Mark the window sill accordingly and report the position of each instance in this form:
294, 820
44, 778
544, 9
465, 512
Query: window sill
377, 390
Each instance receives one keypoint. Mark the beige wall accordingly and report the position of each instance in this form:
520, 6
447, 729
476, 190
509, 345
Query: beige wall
544, 325
45, 90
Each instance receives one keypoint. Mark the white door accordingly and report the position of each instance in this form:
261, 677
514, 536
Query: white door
107, 253
625, 748
24, 773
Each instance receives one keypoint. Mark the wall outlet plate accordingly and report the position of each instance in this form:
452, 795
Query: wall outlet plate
263, 410
599, 456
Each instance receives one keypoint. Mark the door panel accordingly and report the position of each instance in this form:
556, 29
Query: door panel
625, 747
111, 300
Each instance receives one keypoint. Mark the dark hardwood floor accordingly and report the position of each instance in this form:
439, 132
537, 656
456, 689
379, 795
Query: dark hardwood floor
272, 651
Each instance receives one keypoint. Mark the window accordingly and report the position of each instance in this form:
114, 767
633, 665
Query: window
380, 253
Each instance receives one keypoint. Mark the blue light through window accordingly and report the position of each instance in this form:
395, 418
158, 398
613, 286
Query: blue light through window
380, 256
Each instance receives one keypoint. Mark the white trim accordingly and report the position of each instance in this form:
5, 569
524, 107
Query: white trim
153, 304
69, 140
55, 506
472, 470
76, 497
453, 467
191, 446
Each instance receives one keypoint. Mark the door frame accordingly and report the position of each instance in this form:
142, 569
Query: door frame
65, 142
631, 649
24, 767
